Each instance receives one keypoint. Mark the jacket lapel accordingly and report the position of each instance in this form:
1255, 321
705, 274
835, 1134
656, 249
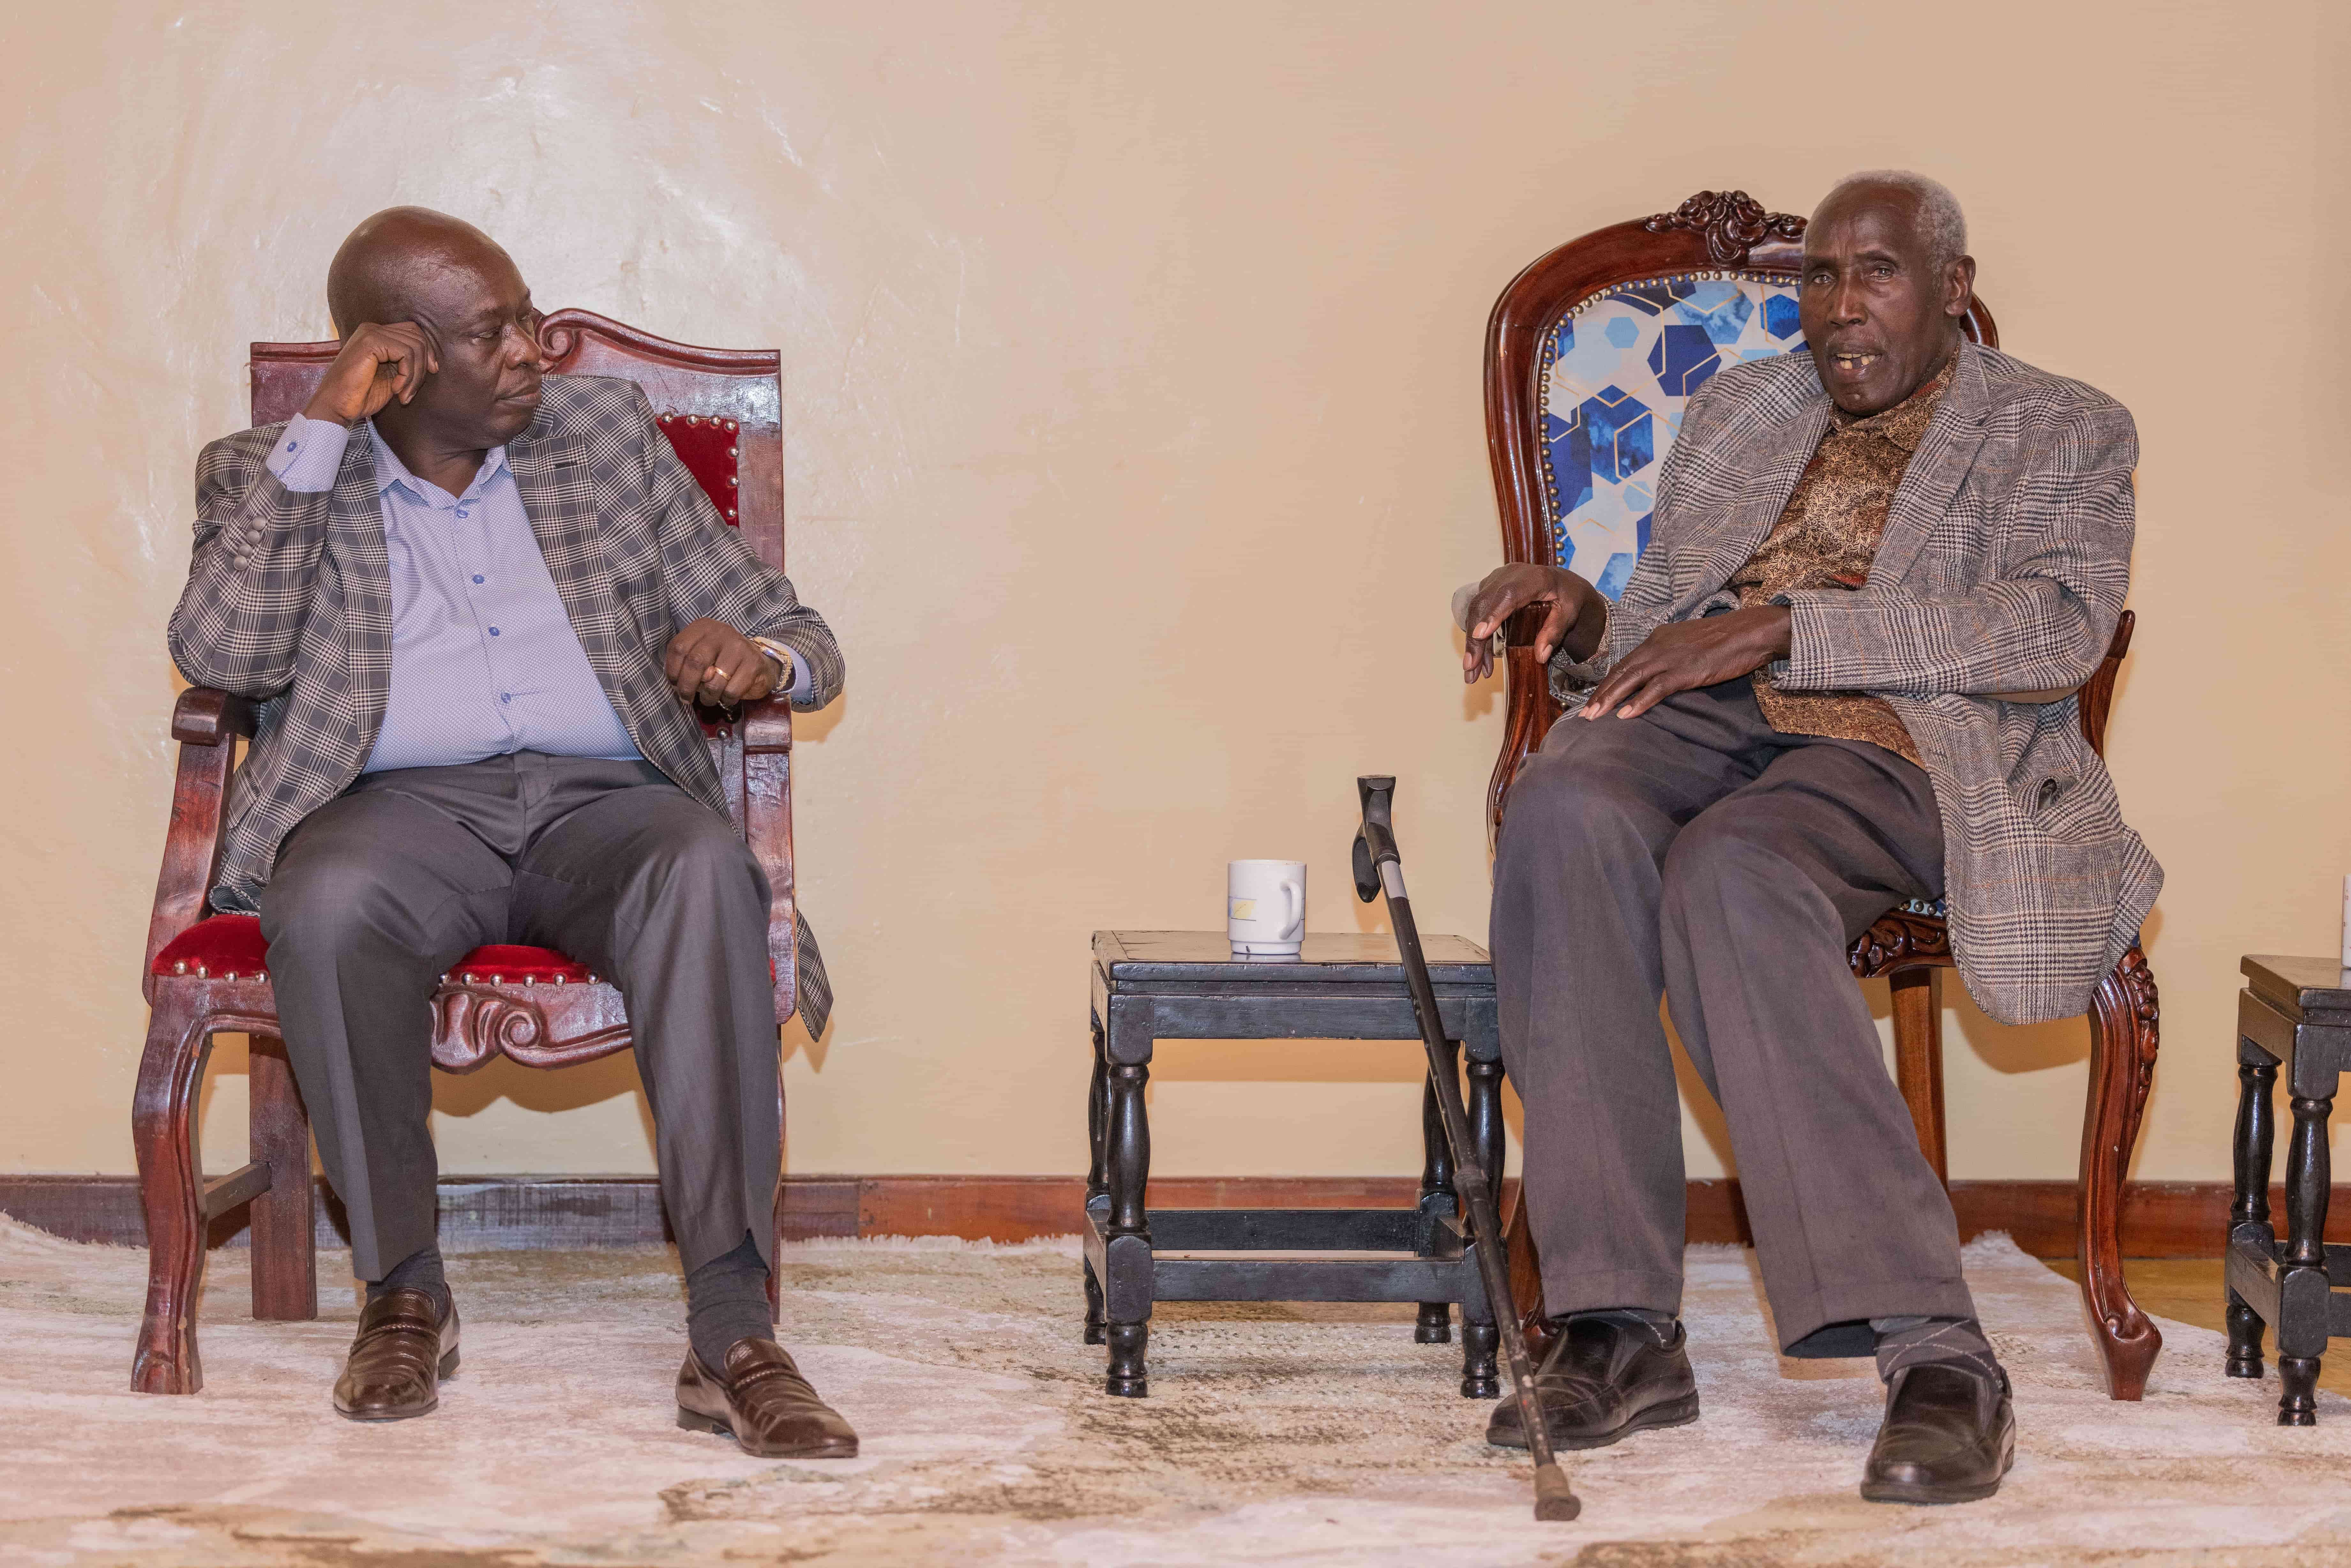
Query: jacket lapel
551, 475
1937, 469
355, 540
1770, 460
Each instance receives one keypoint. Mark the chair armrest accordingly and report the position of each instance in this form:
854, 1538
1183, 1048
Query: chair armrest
767, 830
766, 726
763, 730
202, 721
205, 717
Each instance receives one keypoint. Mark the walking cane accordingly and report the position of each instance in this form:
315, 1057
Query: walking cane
1378, 870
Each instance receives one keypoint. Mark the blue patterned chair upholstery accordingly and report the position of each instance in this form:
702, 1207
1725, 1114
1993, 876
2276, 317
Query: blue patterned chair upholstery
1591, 355
1615, 375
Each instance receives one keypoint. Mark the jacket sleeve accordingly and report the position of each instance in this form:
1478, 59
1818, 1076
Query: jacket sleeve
712, 572
254, 570
2043, 621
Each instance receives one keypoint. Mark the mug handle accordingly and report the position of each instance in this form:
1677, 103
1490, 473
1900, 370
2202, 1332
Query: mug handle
1293, 900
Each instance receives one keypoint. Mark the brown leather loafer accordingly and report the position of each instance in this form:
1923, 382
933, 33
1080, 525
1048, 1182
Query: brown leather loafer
763, 1403
403, 1351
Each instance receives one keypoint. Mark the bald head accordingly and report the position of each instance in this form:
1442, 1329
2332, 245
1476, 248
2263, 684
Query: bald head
392, 261
465, 295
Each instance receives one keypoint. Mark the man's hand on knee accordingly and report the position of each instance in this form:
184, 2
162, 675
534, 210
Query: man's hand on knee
1687, 655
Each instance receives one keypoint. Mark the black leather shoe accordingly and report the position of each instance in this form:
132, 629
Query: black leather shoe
1949, 1435
406, 1344
1604, 1377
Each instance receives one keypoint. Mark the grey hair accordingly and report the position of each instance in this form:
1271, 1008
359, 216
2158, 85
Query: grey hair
1946, 227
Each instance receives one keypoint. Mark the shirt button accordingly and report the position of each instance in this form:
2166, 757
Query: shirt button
461, 511
494, 631
478, 577
505, 696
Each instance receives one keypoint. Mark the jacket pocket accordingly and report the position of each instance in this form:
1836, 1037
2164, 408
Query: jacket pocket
2077, 809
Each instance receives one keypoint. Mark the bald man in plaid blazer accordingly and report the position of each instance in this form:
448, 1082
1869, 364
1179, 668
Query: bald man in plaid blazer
1842, 676
477, 604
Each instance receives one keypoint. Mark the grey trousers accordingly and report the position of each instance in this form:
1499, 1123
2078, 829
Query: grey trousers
1697, 852
381, 890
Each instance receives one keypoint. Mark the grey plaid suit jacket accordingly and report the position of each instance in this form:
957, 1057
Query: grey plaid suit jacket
2003, 567
289, 602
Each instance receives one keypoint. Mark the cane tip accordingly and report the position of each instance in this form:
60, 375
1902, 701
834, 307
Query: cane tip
1553, 1500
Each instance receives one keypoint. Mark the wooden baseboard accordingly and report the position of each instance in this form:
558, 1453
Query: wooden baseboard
2161, 1220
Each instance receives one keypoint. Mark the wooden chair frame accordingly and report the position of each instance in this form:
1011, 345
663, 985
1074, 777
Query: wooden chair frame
475, 1016
1723, 232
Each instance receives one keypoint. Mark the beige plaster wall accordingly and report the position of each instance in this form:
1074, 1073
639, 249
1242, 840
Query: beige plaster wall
1131, 389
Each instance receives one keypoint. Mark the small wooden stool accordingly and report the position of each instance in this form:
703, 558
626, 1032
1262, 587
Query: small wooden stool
1150, 986
2294, 1013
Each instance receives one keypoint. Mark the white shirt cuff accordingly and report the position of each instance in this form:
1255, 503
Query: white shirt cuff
309, 455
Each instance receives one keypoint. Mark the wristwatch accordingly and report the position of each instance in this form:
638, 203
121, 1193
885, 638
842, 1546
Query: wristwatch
783, 658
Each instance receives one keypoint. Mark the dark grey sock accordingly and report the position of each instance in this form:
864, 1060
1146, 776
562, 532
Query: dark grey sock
1661, 1326
1915, 1342
726, 1299
421, 1269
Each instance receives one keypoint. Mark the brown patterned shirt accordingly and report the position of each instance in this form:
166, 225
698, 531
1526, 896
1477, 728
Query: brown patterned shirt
1827, 537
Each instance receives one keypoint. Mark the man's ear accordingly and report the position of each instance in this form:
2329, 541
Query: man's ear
1960, 287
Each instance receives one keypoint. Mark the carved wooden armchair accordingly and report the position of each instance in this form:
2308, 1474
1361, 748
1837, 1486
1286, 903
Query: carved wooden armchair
205, 973
1591, 354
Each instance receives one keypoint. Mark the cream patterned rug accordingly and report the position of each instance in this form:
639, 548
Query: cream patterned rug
1274, 1434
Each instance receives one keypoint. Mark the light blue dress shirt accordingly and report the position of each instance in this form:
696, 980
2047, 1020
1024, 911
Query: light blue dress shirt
484, 659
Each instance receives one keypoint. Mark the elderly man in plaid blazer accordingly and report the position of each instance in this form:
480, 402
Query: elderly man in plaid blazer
1841, 677
477, 602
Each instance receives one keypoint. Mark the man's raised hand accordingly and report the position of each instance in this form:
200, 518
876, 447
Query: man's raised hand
710, 661
1511, 589
1686, 655
375, 365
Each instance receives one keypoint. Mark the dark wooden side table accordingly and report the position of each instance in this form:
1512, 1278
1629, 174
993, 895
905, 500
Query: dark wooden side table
1151, 986
2294, 1013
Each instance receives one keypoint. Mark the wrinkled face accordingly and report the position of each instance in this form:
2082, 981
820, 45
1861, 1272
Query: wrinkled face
1879, 316
484, 328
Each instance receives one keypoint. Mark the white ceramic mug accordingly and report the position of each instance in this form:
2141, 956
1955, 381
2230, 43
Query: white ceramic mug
1265, 907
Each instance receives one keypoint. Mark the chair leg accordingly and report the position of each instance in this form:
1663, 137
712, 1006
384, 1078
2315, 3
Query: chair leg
171, 1191
2123, 1043
1918, 1058
284, 1251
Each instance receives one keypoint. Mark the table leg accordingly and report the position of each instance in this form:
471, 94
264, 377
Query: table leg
2303, 1294
1437, 1198
1129, 1150
1097, 1177
1481, 1338
1481, 1343
1484, 1110
2256, 1126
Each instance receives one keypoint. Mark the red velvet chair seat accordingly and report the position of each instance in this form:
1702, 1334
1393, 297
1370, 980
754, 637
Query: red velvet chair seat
225, 946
